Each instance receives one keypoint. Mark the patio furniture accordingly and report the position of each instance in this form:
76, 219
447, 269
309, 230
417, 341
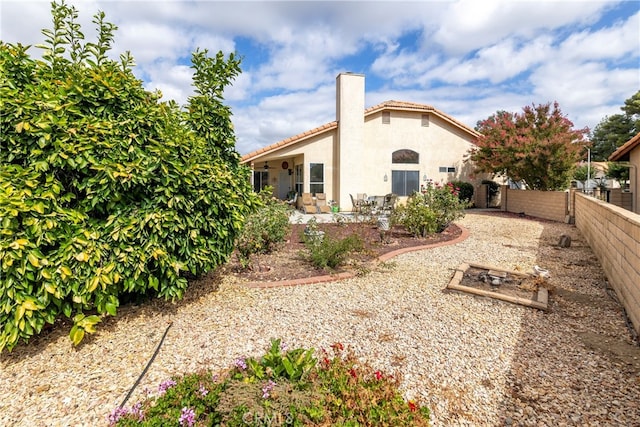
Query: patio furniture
292, 199
374, 203
389, 203
308, 206
355, 204
321, 203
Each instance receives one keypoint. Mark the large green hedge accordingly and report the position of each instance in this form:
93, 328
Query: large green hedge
104, 190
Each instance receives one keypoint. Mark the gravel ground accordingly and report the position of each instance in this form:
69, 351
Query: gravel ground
475, 361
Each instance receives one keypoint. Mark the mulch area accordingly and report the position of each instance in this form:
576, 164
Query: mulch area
288, 261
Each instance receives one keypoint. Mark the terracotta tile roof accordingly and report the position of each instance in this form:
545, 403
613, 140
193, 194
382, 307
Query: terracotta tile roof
624, 150
387, 105
398, 105
289, 141
412, 106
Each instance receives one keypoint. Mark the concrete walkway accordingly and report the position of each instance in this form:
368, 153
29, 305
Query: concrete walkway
298, 217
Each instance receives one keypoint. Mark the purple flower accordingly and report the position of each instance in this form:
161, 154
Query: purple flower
203, 391
116, 414
187, 417
120, 412
164, 386
240, 363
137, 411
283, 347
215, 378
267, 388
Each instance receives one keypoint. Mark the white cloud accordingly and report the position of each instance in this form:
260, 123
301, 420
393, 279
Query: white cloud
586, 90
616, 41
468, 25
149, 42
174, 81
467, 58
278, 117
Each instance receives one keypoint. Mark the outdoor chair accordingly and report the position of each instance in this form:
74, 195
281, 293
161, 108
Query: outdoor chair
292, 200
321, 203
389, 203
355, 204
308, 206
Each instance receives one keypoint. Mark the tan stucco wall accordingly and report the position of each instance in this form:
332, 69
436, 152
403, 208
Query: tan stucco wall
358, 154
350, 136
438, 144
315, 150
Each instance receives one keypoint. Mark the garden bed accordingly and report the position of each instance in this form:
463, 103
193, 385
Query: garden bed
288, 263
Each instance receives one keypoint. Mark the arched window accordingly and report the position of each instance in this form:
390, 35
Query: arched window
405, 156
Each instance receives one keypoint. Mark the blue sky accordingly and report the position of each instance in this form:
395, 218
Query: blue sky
468, 59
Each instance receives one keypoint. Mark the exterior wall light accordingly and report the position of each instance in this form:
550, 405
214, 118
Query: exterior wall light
385, 178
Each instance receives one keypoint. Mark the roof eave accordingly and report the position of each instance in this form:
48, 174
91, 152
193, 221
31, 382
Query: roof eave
625, 149
399, 106
261, 152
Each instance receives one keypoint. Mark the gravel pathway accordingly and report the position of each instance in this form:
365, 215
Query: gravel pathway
475, 361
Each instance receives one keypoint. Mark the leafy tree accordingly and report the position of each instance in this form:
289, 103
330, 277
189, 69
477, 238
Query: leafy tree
538, 146
609, 134
613, 131
618, 172
581, 173
106, 192
631, 108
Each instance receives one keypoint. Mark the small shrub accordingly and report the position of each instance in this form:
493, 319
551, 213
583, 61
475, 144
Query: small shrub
327, 252
465, 190
283, 387
264, 228
416, 216
430, 211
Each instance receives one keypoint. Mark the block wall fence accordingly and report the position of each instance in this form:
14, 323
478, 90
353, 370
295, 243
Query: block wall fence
552, 205
612, 232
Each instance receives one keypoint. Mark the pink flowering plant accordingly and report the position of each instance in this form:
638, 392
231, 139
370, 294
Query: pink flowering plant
283, 387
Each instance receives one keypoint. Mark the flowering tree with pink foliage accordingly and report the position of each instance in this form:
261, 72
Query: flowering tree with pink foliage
538, 145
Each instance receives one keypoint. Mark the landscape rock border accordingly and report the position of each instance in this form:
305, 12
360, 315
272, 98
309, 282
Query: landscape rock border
348, 275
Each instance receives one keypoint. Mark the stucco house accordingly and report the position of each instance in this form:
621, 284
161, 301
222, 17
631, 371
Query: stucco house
629, 153
393, 147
